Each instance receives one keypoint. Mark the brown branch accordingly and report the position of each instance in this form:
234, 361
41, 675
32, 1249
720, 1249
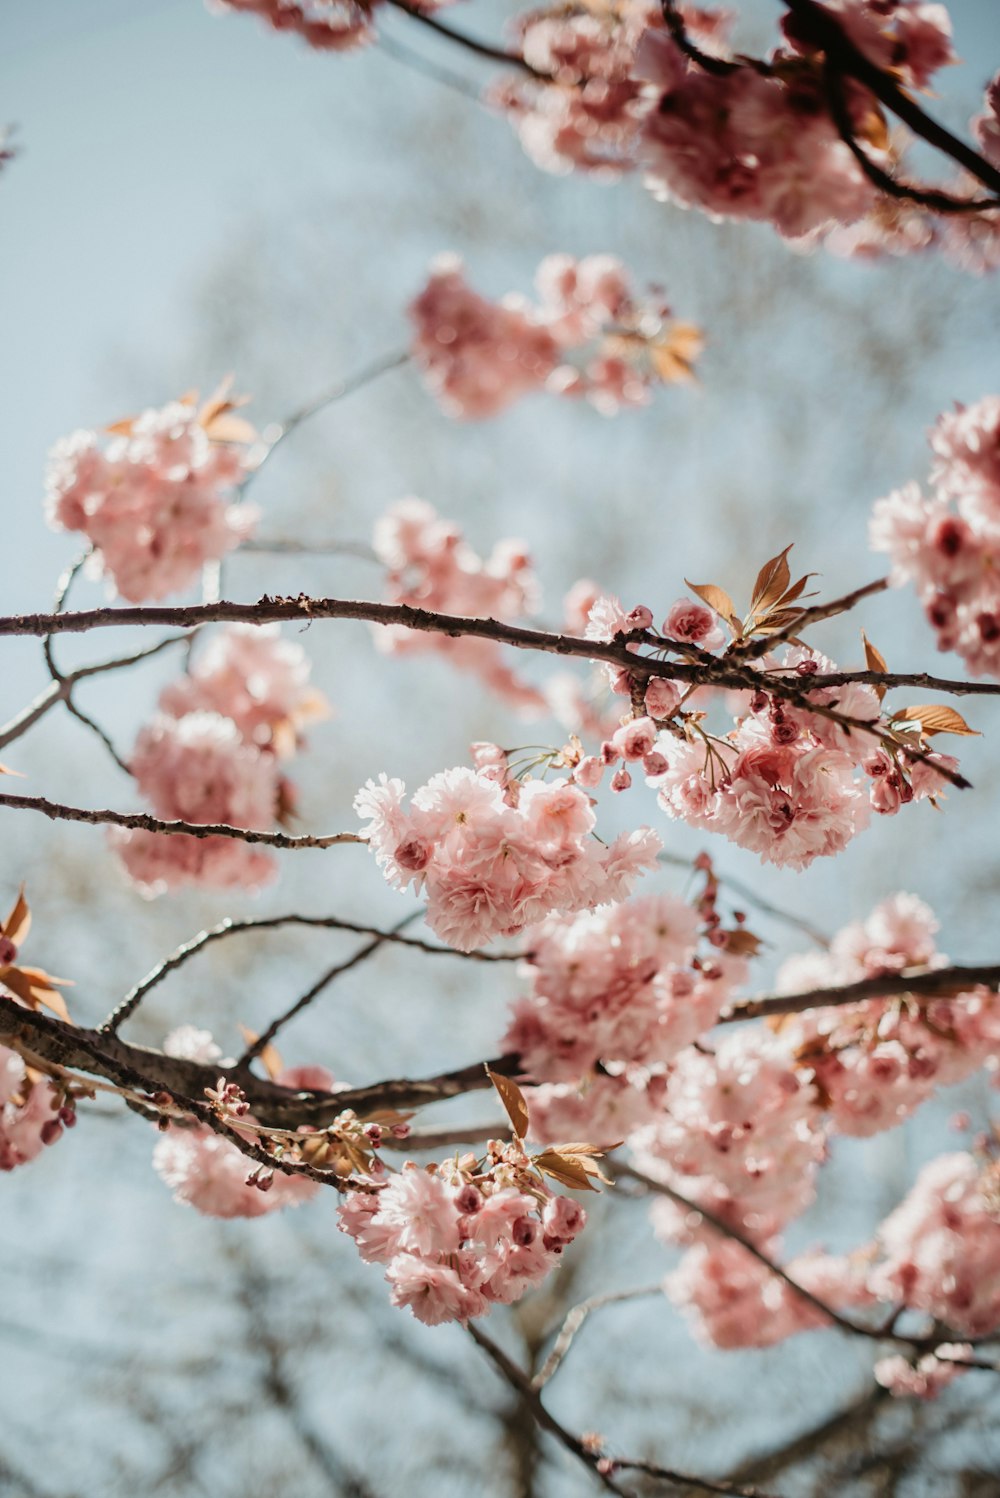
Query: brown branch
56, 811
575, 1319
822, 28
719, 67
485, 50
837, 1318
927, 197
99, 733
589, 1453
707, 669
104, 1055
951, 982
257, 1047
343, 388
230, 927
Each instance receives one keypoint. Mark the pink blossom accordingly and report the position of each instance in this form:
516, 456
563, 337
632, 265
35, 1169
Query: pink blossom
948, 545
198, 769
694, 623
477, 356
877, 1060
29, 1113
587, 120
326, 25
493, 868
155, 502
250, 674
743, 145
459, 1237
925, 1378
431, 566
738, 1133
210, 1173
614, 986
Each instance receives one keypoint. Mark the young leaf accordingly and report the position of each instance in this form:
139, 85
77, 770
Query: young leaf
270, 1058
228, 428
795, 591
673, 354
18, 923
34, 987
742, 943
935, 717
875, 661
121, 428
772, 581
513, 1101
568, 1170
719, 602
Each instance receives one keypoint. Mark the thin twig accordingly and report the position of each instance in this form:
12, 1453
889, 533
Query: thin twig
141, 821
343, 388
96, 729
590, 1453
481, 49
361, 955
420, 64
575, 1319
59, 688
230, 927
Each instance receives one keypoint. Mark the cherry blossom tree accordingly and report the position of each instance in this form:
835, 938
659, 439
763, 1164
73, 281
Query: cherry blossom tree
639, 1056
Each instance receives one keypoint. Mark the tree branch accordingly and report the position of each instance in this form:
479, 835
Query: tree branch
230, 927
575, 1319
706, 669
481, 49
824, 30
141, 821
951, 982
105, 1055
590, 1454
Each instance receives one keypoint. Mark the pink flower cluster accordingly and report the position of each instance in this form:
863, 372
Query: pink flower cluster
735, 1301
937, 1254
910, 38
249, 674
492, 858
939, 1251
31, 1113
430, 565
459, 1238
747, 145
211, 755
206, 1171
587, 118
326, 25
155, 501
876, 1061
588, 335
788, 783
739, 1134
619, 986
948, 544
